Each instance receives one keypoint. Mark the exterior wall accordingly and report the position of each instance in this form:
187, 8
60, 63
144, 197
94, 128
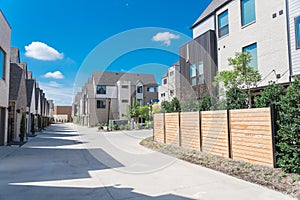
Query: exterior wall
111, 92
123, 94
173, 84
202, 49
266, 31
5, 32
294, 11
100, 115
208, 24
63, 110
148, 96
61, 118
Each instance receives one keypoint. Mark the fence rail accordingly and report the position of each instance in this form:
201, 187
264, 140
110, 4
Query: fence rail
246, 135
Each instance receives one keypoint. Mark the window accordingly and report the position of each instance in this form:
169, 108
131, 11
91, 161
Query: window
2, 64
201, 73
125, 101
101, 89
162, 94
297, 24
193, 75
165, 81
171, 93
151, 89
248, 11
101, 104
223, 26
171, 73
140, 89
197, 73
125, 86
252, 49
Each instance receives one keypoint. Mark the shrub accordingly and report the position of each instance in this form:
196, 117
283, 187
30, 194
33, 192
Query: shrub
272, 94
205, 104
236, 98
288, 135
189, 106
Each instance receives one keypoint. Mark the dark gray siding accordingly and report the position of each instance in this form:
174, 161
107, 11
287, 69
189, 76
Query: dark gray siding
201, 49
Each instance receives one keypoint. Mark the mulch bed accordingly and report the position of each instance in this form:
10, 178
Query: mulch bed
274, 179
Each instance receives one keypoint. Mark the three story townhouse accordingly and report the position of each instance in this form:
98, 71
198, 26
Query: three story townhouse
5, 36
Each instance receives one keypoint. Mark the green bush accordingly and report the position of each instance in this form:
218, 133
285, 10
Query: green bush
270, 95
171, 107
189, 106
288, 135
205, 104
236, 98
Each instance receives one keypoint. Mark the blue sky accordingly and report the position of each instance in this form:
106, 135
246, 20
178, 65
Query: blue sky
60, 38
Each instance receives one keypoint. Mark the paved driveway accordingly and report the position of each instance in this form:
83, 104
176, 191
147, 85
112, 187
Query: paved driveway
72, 162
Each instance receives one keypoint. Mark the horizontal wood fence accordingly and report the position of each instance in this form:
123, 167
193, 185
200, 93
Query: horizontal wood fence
246, 135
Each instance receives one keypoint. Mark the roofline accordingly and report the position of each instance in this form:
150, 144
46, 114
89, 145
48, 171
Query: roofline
214, 12
5, 19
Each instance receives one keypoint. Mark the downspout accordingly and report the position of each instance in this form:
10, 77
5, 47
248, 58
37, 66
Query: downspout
289, 40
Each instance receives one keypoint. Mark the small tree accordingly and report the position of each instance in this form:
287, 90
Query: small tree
166, 107
32, 129
134, 109
144, 112
175, 105
288, 136
242, 77
22, 128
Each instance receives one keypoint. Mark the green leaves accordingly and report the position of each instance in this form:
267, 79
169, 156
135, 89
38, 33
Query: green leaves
240, 78
170, 107
272, 94
288, 136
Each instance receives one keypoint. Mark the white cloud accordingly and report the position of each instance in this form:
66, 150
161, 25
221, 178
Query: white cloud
55, 75
41, 51
165, 37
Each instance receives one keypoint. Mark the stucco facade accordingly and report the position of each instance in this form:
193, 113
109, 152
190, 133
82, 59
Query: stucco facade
268, 32
170, 84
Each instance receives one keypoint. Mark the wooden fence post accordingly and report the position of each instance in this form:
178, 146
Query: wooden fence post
164, 122
273, 124
229, 135
200, 131
179, 131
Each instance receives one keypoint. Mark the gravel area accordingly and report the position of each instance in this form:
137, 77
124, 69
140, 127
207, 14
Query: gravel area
272, 178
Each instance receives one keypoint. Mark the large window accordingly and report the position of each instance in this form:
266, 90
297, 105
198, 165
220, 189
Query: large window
171, 73
252, 49
200, 72
223, 26
193, 75
248, 11
197, 74
297, 24
101, 104
2, 64
101, 89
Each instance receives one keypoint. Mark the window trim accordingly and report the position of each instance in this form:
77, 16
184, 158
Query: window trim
193, 77
104, 107
297, 33
105, 91
220, 28
255, 43
3, 64
241, 11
